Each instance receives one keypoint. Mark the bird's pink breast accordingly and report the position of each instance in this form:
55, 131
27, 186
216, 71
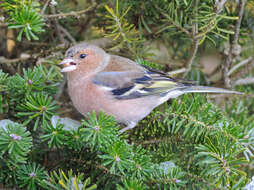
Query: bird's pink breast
88, 97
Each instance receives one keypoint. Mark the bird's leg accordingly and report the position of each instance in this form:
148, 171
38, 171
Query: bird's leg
129, 126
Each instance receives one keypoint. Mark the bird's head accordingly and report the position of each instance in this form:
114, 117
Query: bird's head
84, 58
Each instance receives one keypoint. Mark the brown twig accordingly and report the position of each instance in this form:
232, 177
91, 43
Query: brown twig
44, 7
26, 42
73, 13
238, 24
67, 34
219, 5
8, 67
245, 81
194, 50
237, 66
57, 25
178, 71
11, 61
195, 43
3, 25
8, 64
244, 71
234, 45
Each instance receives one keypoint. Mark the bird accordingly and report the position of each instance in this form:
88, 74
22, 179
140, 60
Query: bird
98, 81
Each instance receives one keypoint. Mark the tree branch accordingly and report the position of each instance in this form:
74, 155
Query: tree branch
73, 13
245, 81
178, 71
44, 7
3, 24
67, 34
57, 26
194, 50
219, 5
234, 45
195, 43
11, 61
242, 63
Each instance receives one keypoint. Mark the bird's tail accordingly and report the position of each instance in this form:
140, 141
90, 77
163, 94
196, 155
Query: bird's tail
207, 89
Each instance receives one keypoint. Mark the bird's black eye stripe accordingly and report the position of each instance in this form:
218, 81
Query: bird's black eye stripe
82, 56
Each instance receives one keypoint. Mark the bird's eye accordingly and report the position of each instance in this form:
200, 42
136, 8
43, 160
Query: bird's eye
82, 56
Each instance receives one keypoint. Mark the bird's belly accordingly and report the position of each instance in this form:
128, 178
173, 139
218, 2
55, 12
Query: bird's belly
92, 98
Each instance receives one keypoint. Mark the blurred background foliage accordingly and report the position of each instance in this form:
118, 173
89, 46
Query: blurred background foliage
193, 142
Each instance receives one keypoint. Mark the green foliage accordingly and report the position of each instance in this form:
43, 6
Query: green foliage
209, 21
3, 88
60, 180
15, 143
195, 121
31, 176
149, 64
220, 159
30, 95
12, 5
142, 163
118, 26
55, 136
118, 157
3, 80
39, 108
29, 22
239, 111
25, 17
131, 184
99, 131
125, 160
174, 178
37, 79
75, 139
180, 18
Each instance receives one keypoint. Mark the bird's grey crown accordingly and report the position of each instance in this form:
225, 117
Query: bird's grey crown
82, 46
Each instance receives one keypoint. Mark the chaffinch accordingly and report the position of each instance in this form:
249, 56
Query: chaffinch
119, 86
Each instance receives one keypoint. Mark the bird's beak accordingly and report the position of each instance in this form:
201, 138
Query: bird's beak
69, 65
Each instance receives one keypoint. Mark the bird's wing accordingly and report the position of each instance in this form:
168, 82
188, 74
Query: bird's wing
136, 84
